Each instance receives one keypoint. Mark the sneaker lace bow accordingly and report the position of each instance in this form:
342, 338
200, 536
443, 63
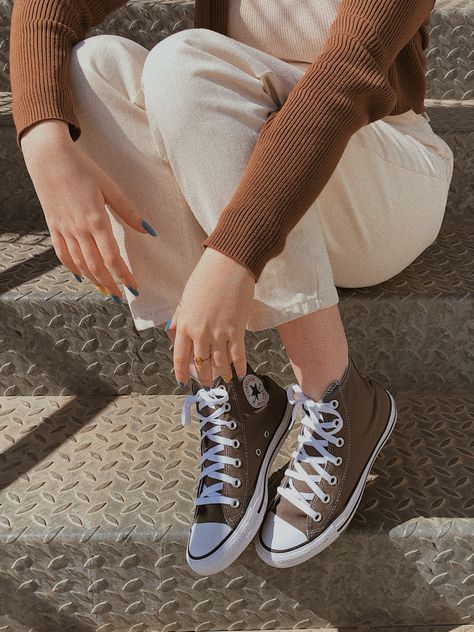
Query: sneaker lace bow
318, 433
218, 398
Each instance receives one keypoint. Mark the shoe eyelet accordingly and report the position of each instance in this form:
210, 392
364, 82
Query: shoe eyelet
338, 461
227, 405
236, 443
326, 499
333, 480
233, 425
236, 503
335, 403
258, 452
340, 442
318, 517
266, 434
237, 482
237, 463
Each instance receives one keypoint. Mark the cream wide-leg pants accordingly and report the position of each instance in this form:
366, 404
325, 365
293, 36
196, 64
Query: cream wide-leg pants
175, 126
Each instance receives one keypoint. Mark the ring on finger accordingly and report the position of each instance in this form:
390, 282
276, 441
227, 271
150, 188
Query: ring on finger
198, 360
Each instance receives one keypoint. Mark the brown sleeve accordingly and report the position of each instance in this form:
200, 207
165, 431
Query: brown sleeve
42, 35
300, 144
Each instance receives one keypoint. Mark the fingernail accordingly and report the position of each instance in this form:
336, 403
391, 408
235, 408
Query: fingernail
168, 323
148, 228
117, 299
133, 290
181, 384
77, 277
227, 378
102, 289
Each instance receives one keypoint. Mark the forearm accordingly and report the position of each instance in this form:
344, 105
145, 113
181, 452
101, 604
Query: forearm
41, 38
346, 87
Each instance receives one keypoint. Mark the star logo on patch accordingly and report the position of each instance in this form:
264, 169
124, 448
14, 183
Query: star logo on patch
255, 391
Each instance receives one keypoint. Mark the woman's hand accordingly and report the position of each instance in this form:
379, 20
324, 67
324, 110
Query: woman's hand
212, 315
73, 191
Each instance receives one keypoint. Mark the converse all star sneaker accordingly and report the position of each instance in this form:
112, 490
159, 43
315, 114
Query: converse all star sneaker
242, 427
339, 439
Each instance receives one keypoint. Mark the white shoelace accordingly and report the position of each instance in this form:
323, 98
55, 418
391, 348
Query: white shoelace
312, 423
219, 397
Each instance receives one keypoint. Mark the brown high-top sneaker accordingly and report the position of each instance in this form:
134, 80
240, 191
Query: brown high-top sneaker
340, 437
242, 426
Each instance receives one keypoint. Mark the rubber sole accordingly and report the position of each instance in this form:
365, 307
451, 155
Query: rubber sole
251, 521
312, 548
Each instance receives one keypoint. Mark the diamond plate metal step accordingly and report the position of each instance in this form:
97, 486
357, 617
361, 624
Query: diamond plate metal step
96, 501
449, 53
452, 120
414, 332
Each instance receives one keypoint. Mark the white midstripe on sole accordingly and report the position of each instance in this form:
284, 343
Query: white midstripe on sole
307, 551
248, 527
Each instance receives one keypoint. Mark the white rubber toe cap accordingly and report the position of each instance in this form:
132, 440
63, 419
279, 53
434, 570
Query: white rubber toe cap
279, 535
206, 536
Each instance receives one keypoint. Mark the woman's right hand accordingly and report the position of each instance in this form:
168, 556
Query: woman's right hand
73, 190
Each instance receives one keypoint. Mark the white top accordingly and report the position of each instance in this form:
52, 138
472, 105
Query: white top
292, 30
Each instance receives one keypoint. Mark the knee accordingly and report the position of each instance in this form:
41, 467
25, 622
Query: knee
103, 54
173, 59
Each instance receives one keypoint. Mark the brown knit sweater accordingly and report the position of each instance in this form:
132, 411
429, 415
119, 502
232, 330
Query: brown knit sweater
372, 65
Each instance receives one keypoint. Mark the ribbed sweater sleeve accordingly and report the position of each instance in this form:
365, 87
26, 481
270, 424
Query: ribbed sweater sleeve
346, 87
42, 35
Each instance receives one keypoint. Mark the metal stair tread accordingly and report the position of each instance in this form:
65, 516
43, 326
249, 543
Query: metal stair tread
30, 269
105, 466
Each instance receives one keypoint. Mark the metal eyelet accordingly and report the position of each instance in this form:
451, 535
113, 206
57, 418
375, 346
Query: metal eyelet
318, 518
326, 499
236, 443
237, 482
338, 461
333, 480
335, 403
236, 503
266, 434
237, 463
258, 452
340, 442
228, 406
233, 425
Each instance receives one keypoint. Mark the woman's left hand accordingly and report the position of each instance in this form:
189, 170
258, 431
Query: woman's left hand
212, 316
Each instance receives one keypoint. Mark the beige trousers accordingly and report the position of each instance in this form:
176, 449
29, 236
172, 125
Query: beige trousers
175, 127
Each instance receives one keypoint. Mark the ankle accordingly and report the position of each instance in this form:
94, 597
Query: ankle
320, 379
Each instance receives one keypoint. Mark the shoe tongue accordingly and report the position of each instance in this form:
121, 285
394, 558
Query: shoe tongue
196, 384
309, 449
211, 512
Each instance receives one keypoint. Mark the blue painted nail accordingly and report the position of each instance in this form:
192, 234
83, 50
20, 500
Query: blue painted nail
168, 323
77, 277
148, 228
117, 299
181, 384
133, 290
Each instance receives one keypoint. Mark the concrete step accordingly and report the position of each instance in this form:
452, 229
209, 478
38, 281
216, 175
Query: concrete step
449, 53
452, 120
96, 502
414, 332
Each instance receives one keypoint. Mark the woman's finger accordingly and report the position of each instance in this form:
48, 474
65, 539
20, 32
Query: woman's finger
182, 350
204, 366
77, 256
220, 360
96, 264
62, 252
238, 356
171, 327
107, 245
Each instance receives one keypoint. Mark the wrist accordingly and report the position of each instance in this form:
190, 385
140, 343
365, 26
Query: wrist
50, 132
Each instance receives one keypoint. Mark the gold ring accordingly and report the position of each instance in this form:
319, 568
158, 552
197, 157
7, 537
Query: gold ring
198, 360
